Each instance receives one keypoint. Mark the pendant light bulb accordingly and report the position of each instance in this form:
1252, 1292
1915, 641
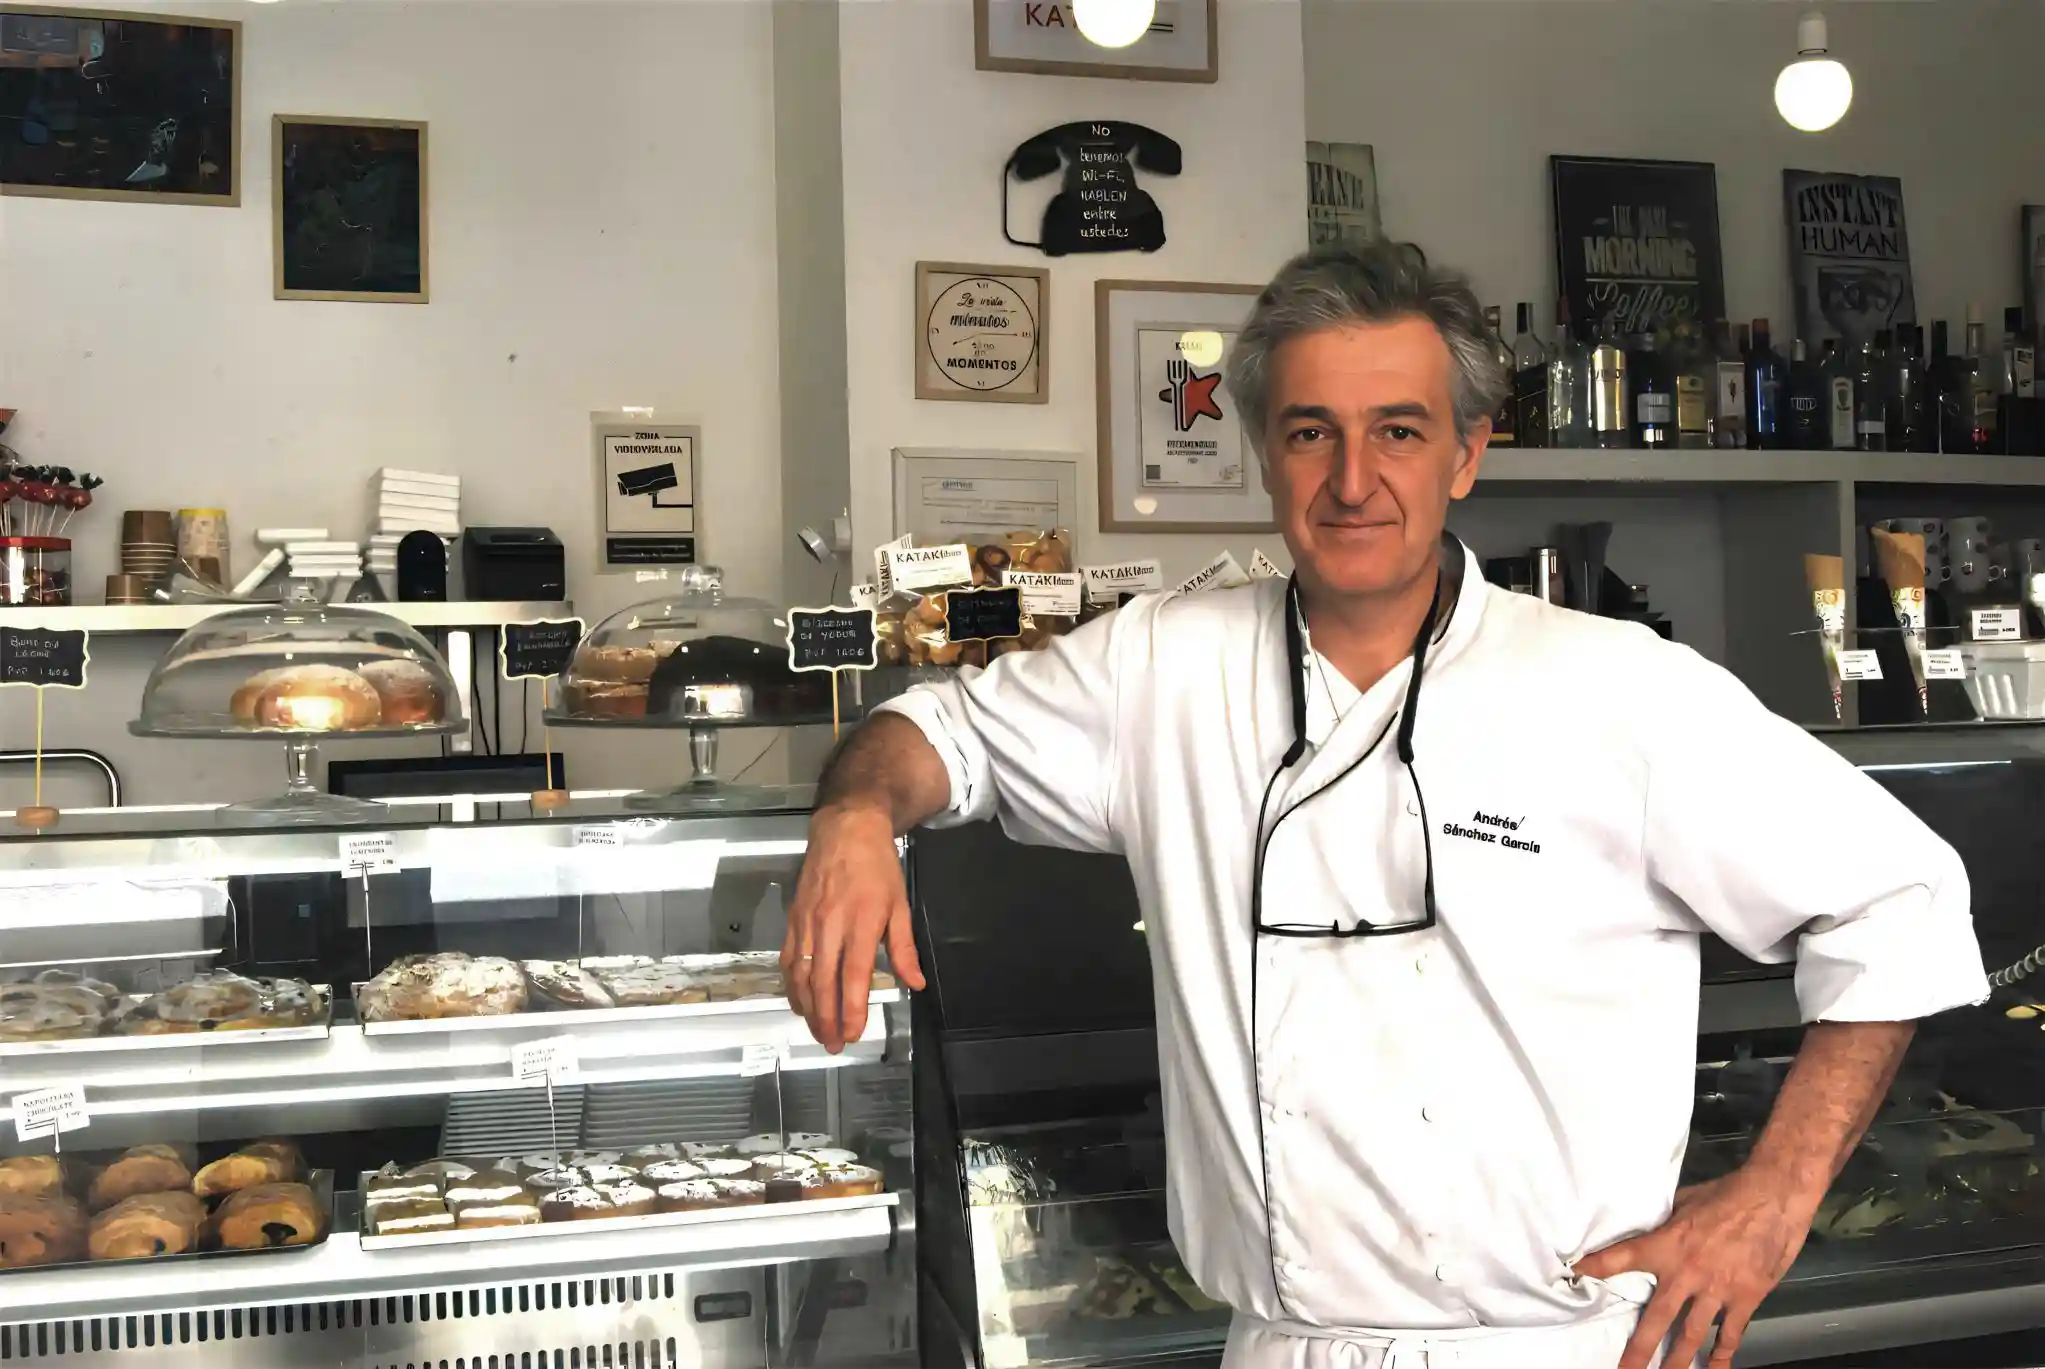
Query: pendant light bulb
1113, 23
1813, 92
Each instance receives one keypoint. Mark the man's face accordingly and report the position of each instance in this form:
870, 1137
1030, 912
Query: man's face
1361, 455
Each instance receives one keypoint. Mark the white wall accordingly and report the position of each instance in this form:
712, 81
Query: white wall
1464, 103
603, 233
925, 139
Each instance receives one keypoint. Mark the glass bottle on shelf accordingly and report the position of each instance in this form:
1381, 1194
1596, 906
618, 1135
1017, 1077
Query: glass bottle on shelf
1767, 379
1610, 414
1530, 381
1870, 400
1569, 386
1502, 426
1804, 415
1905, 393
2017, 401
1951, 395
1693, 367
1839, 370
1982, 380
1654, 398
1728, 410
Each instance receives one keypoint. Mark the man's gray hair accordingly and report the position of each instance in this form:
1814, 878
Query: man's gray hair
1337, 284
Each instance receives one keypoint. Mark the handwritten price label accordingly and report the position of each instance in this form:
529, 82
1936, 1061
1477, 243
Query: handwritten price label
551, 1061
599, 836
762, 1057
50, 1112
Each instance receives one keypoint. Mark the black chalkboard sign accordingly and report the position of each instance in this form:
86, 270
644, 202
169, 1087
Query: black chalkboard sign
1637, 242
1099, 207
40, 658
538, 650
832, 639
983, 614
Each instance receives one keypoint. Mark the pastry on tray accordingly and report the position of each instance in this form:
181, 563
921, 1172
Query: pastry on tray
317, 698
32, 1176
561, 984
140, 1170
701, 1195
414, 1218
640, 986
589, 1202
268, 1216
57, 1005
147, 1225
260, 1162
444, 984
39, 1231
406, 690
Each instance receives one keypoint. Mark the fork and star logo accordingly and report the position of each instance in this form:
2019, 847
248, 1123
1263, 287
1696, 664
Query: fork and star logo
1191, 395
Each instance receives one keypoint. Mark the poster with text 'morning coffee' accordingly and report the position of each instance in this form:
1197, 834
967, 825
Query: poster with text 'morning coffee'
1637, 242
1849, 255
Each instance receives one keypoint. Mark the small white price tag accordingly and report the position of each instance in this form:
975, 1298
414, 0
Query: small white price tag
1944, 663
865, 596
49, 1112
883, 569
371, 853
1859, 665
1047, 591
1223, 572
1107, 584
599, 836
921, 568
761, 1057
648, 577
1998, 624
551, 1061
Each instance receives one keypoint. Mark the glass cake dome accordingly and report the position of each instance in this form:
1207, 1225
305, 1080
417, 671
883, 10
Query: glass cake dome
696, 660
299, 673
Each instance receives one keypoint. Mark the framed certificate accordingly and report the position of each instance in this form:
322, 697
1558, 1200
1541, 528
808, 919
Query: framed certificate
980, 333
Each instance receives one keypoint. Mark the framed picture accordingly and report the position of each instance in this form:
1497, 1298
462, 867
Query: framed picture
1849, 255
349, 209
1342, 194
107, 105
980, 332
1173, 455
2034, 269
1041, 38
1637, 241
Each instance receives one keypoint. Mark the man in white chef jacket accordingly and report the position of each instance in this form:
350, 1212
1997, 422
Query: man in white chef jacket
1426, 958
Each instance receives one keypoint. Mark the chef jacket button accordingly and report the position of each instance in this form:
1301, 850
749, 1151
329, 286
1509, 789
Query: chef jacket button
1427, 1114
1445, 1272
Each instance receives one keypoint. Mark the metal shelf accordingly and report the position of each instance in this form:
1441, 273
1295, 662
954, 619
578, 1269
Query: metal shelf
1629, 466
341, 1270
141, 618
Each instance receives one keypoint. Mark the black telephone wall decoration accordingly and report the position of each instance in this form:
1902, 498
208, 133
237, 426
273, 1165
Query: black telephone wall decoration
1099, 208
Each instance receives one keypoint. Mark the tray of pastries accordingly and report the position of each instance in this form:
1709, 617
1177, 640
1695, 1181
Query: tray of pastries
156, 1202
453, 991
449, 1201
62, 1012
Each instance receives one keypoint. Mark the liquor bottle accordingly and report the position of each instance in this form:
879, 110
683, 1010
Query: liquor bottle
1804, 415
1839, 375
1981, 383
1693, 363
1870, 400
1728, 416
1569, 386
1766, 379
1952, 399
2017, 417
1906, 394
1609, 399
1530, 381
1654, 394
1502, 427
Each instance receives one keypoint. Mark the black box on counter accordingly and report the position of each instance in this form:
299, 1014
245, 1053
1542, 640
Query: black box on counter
513, 564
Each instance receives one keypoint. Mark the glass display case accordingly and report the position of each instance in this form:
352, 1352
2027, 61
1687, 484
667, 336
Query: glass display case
436, 1092
1041, 1142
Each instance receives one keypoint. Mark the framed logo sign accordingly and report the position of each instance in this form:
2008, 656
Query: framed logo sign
980, 333
1637, 241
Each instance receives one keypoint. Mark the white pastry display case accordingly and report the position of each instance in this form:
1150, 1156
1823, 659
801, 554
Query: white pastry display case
415, 1091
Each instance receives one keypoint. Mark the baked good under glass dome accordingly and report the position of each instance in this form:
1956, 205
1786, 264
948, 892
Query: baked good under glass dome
300, 673
699, 660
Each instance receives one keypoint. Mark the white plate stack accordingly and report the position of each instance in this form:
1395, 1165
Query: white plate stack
323, 560
407, 501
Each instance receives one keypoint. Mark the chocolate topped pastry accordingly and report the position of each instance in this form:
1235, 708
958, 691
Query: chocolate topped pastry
147, 1225
268, 1216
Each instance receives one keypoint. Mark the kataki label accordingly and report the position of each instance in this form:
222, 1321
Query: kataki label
1107, 584
1223, 572
920, 568
1047, 591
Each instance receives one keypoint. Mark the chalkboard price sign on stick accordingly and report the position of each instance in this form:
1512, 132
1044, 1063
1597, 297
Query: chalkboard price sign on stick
982, 615
540, 650
836, 639
39, 659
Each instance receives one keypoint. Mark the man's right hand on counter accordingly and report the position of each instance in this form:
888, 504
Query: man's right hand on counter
850, 896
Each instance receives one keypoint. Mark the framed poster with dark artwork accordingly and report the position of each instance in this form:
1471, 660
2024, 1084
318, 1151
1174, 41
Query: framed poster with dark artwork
1173, 455
1041, 37
1342, 194
1849, 255
105, 105
2034, 269
350, 209
1637, 241
980, 332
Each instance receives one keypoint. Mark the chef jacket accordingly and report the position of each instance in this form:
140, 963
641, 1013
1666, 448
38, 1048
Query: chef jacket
1384, 1145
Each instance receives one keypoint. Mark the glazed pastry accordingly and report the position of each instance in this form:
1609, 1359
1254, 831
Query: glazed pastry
262, 1162
840, 1181
405, 690
147, 1225
639, 1157
579, 1204
599, 1175
559, 984
26, 1015
781, 1164
639, 986
268, 1216
829, 1155
767, 1142
526, 1166
671, 1172
199, 1004
700, 1195
71, 986
243, 704
725, 1166
588, 1159
411, 1219
692, 1150
318, 698
142, 1169
32, 1176
557, 1180
630, 1199
39, 1231
447, 984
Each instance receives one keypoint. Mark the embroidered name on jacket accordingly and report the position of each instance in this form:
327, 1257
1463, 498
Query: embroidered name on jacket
1494, 830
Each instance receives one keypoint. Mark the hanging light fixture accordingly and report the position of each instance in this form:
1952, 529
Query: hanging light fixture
1113, 23
1812, 92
